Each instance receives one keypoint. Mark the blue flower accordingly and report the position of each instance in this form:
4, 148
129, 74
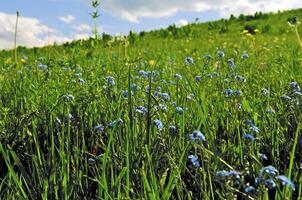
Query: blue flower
237, 93
81, 81
143, 74
42, 67
231, 63
285, 181
249, 137
91, 161
198, 78
194, 161
141, 110
222, 174
264, 91
165, 96
68, 97
99, 127
172, 129
228, 92
286, 98
262, 156
229, 174
270, 183
197, 135
110, 80
250, 189
220, 54
295, 86
240, 78
158, 124
178, 76
189, 61
254, 129
245, 56
270, 170
179, 110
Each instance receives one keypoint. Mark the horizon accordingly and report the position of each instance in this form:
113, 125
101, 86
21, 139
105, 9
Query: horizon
69, 20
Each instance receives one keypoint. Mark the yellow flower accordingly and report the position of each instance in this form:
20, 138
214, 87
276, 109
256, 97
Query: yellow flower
256, 30
245, 31
151, 62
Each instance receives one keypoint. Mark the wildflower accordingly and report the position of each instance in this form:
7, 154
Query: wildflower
248, 137
141, 110
228, 92
158, 88
264, 91
189, 61
165, 96
240, 78
163, 107
135, 87
158, 124
228, 174
198, 78
262, 156
120, 122
24, 59
270, 111
78, 74
250, 189
91, 161
286, 98
254, 129
197, 135
270, 183
42, 67
285, 181
295, 86
179, 110
172, 129
231, 63
143, 74
179, 77
110, 80
99, 127
220, 54
222, 174
209, 75
270, 170
237, 93
194, 161
81, 81
125, 93
245, 56
68, 97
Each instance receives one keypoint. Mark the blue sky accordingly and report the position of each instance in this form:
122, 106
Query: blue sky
46, 21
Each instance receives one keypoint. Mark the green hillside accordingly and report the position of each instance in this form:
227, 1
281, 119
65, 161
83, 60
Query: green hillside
204, 111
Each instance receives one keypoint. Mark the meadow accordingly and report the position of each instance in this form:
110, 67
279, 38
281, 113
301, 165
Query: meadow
205, 111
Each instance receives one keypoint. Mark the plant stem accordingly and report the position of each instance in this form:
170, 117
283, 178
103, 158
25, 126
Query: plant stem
15, 37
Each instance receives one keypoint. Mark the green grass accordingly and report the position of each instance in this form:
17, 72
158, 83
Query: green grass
50, 147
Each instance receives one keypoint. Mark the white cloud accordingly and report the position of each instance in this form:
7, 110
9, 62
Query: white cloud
133, 10
67, 19
181, 22
31, 32
82, 27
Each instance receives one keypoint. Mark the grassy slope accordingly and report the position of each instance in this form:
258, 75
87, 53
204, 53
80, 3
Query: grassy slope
44, 158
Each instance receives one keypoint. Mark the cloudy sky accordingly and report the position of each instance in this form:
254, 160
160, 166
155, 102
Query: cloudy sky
43, 22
